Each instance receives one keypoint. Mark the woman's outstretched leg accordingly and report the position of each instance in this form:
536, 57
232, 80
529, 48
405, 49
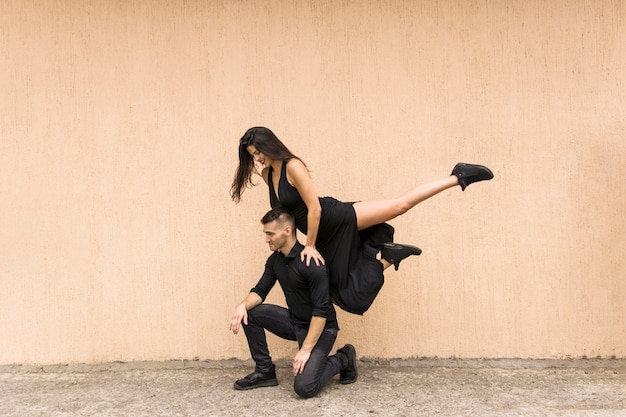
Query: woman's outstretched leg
369, 213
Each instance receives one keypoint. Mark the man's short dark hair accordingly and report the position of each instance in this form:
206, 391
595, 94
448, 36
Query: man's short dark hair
280, 215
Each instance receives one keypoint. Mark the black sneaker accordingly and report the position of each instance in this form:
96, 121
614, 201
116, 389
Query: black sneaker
471, 173
349, 374
395, 252
257, 380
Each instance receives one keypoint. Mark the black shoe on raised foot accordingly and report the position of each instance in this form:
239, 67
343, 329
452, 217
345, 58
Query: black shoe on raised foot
470, 173
395, 252
257, 380
350, 373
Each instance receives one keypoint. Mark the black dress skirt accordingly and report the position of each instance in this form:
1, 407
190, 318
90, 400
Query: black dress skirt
356, 276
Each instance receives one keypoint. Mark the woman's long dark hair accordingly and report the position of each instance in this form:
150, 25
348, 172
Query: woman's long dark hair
266, 142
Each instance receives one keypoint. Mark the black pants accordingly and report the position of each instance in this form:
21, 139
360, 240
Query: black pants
320, 367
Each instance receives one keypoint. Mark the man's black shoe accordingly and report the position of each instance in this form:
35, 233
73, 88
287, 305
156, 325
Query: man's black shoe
257, 380
349, 374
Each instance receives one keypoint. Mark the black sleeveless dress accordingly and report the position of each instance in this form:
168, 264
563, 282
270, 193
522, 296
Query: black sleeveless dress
356, 276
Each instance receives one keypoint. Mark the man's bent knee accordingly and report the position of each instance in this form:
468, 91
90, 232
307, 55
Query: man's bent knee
305, 389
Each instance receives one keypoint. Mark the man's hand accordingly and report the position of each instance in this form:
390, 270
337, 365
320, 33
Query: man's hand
241, 314
308, 253
299, 361
241, 311
302, 357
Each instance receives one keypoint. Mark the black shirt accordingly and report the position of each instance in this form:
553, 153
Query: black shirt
306, 288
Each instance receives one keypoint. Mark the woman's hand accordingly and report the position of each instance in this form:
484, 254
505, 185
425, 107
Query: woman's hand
308, 253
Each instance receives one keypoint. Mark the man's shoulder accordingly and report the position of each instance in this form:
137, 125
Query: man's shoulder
312, 270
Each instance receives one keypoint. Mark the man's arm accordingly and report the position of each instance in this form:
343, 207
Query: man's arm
315, 330
255, 297
241, 311
317, 277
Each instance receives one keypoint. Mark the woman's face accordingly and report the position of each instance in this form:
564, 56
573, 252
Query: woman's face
258, 156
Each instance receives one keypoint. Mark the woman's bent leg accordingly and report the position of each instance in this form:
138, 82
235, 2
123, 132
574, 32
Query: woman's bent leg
369, 213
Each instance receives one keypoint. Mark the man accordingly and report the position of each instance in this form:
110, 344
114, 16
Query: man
310, 317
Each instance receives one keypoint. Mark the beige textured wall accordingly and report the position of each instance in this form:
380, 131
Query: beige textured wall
119, 124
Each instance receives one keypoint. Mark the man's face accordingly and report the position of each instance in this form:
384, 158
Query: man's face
276, 235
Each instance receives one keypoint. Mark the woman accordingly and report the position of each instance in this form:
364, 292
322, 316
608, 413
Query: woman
345, 236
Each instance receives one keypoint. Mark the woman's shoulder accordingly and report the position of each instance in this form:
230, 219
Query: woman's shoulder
295, 164
297, 172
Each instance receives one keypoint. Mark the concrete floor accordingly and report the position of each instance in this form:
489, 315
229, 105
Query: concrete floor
389, 388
